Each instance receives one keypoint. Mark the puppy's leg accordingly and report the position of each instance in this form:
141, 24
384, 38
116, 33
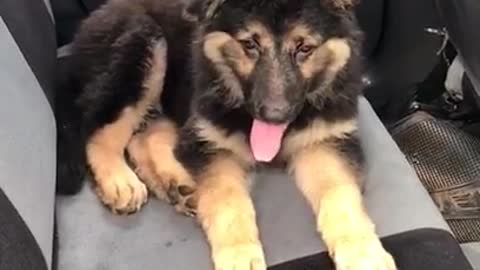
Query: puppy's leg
219, 163
227, 215
152, 154
328, 175
116, 184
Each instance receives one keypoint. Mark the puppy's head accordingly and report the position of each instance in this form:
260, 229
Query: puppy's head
274, 56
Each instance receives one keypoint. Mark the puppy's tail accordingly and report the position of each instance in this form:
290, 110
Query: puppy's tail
71, 160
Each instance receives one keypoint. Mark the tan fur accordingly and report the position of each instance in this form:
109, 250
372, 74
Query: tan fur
330, 185
332, 56
213, 48
156, 165
236, 57
117, 186
227, 216
155, 78
235, 143
300, 32
340, 53
317, 131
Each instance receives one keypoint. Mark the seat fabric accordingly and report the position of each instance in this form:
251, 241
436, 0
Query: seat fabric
27, 145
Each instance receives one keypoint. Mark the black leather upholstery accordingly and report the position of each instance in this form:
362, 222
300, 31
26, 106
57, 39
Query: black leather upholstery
68, 14
371, 16
404, 55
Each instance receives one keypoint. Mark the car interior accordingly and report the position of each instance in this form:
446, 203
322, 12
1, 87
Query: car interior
419, 126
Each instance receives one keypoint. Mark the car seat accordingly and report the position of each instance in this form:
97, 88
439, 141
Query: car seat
88, 237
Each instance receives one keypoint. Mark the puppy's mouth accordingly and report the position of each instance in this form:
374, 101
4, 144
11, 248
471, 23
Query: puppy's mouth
266, 139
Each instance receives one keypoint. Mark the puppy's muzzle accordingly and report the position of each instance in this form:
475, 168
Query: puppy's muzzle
277, 111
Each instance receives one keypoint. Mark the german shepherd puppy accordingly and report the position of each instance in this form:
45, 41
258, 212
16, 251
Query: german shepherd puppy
247, 81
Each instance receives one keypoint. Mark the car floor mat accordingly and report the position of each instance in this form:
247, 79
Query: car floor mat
447, 161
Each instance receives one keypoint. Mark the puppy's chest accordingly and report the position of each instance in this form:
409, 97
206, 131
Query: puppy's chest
316, 132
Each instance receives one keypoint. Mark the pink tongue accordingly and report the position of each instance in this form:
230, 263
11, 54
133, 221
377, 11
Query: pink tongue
266, 140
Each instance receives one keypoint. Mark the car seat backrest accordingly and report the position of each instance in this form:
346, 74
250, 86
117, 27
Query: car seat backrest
401, 53
31, 24
370, 17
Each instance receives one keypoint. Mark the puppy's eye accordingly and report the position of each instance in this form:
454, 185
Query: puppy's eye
306, 49
249, 45
303, 51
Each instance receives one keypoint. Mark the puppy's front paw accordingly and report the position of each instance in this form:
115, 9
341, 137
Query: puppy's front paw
177, 189
245, 256
122, 192
361, 253
151, 156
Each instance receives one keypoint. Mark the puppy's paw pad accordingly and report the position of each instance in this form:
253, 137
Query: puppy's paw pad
123, 193
240, 257
183, 198
362, 254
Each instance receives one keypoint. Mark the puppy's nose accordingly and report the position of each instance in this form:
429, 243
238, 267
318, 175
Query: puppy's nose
274, 113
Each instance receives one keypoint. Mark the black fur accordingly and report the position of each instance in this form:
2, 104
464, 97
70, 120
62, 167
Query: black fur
193, 151
350, 147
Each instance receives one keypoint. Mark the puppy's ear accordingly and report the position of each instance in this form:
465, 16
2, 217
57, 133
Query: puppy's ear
200, 10
343, 4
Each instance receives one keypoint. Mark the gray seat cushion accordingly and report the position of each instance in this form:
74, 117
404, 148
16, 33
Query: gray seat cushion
157, 238
27, 143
